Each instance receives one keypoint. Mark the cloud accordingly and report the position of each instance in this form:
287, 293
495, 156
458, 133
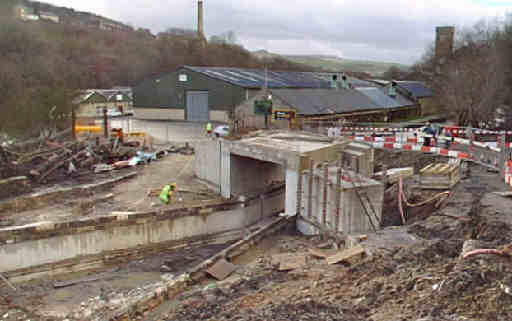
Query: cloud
362, 29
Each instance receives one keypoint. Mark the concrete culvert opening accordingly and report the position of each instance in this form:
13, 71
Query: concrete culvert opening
252, 177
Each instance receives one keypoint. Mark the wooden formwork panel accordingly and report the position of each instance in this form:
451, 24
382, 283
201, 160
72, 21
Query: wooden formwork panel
440, 176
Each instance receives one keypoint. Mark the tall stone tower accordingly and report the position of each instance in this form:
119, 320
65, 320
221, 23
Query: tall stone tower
444, 44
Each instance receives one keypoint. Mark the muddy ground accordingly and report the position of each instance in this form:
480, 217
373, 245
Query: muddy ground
137, 194
41, 300
413, 272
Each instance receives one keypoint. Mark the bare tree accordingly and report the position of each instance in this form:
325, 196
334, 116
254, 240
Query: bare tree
394, 73
471, 84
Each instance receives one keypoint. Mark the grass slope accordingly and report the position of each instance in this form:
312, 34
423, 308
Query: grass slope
333, 63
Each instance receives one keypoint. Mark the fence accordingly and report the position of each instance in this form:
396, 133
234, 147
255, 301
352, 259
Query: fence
493, 152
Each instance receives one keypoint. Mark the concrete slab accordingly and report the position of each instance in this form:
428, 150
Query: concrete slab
287, 148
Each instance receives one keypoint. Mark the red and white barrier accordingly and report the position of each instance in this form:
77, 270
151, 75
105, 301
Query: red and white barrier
425, 149
462, 130
508, 173
405, 142
418, 140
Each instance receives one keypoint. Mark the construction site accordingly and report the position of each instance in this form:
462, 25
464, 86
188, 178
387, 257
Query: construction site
265, 225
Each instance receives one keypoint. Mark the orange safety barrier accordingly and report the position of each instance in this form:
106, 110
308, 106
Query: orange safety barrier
90, 129
135, 134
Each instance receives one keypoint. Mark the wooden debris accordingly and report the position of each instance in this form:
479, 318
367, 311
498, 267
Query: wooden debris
354, 240
100, 168
221, 270
61, 163
63, 284
504, 194
11, 180
289, 261
393, 175
349, 256
7, 282
322, 254
326, 245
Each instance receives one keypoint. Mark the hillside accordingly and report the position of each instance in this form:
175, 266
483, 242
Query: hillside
71, 17
334, 63
46, 62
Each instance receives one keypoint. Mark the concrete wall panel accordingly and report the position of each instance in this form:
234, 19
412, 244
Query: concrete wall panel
208, 162
352, 216
54, 249
219, 116
159, 113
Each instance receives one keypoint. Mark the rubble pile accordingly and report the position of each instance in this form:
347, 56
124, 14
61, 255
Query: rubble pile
54, 161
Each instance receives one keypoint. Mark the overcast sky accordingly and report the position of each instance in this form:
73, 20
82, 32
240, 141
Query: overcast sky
396, 31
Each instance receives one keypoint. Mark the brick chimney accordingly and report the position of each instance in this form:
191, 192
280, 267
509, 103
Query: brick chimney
200, 19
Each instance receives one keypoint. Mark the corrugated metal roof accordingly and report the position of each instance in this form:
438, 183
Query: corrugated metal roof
324, 101
108, 94
381, 82
416, 88
381, 99
111, 93
255, 78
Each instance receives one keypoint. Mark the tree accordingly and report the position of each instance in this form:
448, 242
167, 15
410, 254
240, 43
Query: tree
394, 73
471, 84
43, 66
228, 37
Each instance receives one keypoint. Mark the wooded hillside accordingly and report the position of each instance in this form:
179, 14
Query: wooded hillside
43, 64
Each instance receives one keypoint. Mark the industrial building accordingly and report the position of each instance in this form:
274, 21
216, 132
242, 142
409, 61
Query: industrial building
416, 91
203, 94
211, 93
358, 101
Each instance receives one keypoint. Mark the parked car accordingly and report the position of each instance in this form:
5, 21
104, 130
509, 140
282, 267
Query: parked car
114, 113
221, 131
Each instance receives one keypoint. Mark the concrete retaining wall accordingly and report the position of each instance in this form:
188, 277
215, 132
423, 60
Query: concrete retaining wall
129, 308
339, 208
207, 162
47, 242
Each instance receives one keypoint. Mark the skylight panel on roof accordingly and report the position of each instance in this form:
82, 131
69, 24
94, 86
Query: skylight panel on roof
222, 75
